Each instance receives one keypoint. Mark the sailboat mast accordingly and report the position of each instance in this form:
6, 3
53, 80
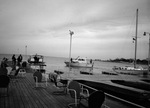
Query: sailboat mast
136, 33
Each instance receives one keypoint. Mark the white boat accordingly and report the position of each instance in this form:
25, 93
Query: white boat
37, 62
79, 62
128, 69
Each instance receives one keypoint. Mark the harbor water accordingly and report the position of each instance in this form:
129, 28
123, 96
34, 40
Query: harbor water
57, 63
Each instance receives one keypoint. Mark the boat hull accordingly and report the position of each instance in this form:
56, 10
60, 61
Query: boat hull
131, 72
85, 65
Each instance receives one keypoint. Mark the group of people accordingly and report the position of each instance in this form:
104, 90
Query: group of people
17, 61
5, 64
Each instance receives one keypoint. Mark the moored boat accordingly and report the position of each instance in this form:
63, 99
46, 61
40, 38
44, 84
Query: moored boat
130, 70
37, 62
79, 62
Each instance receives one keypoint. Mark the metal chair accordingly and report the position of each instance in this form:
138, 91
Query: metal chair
4, 82
95, 99
77, 93
38, 79
60, 83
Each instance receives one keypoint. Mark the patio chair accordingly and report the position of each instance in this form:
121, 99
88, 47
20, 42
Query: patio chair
4, 82
77, 93
60, 83
38, 79
96, 99
9, 69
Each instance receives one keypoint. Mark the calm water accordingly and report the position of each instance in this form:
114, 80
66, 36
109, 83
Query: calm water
57, 63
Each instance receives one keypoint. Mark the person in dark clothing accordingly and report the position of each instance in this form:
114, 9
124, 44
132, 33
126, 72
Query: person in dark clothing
91, 61
71, 60
4, 63
35, 59
14, 60
3, 71
19, 59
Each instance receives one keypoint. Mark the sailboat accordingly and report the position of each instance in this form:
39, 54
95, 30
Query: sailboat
128, 69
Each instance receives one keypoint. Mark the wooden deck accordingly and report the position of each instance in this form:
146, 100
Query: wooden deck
22, 94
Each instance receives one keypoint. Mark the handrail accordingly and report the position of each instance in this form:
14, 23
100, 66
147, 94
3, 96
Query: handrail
120, 99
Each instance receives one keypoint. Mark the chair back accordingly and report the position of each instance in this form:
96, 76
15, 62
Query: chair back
9, 69
38, 75
4, 81
96, 99
17, 71
75, 86
55, 79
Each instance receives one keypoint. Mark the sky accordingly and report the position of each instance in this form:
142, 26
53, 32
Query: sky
103, 29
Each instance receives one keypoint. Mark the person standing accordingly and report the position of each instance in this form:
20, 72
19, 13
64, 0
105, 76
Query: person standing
19, 59
90, 61
14, 60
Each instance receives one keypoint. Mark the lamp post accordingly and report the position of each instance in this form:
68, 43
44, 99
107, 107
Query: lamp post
71, 33
149, 49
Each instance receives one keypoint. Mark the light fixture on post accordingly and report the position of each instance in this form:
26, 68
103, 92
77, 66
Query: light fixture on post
149, 49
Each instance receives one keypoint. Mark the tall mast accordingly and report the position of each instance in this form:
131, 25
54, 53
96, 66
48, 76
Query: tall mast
136, 37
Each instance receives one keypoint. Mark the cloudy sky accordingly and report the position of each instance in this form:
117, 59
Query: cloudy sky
102, 28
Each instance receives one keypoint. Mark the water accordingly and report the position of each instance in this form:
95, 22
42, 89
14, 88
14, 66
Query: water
57, 63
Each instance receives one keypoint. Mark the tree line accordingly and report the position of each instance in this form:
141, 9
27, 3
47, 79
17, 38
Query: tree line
138, 61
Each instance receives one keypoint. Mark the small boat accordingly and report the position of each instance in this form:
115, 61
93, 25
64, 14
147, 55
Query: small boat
37, 62
79, 62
